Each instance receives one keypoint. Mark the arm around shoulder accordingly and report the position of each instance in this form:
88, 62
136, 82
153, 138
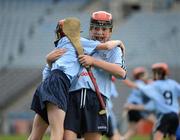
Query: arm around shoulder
129, 83
109, 45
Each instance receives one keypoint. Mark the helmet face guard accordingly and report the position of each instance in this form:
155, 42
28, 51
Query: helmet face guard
139, 72
101, 19
160, 70
59, 32
99, 23
162, 66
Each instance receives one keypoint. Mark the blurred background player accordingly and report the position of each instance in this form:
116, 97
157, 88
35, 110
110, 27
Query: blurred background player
113, 130
82, 96
165, 93
178, 133
138, 100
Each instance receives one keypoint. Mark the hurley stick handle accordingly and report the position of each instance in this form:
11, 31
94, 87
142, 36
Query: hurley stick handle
98, 94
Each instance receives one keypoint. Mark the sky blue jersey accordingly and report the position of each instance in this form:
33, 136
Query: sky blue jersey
103, 78
164, 93
114, 93
136, 96
68, 62
150, 106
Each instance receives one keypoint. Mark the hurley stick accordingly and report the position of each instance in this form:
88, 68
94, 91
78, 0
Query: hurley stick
71, 29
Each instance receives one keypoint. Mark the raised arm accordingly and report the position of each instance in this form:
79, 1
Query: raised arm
54, 55
129, 83
110, 45
112, 68
130, 106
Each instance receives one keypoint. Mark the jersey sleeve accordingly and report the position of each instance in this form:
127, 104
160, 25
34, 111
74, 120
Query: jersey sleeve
134, 97
178, 89
149, 90
114, 92
150, 106
89, 46
117, 57
46, 72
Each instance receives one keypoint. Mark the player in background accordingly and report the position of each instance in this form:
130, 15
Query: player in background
136, 100
51, 96
113, 132
178, 133
165, 93
83, 118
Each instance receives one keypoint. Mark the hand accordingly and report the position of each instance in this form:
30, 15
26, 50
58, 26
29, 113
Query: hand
54, 55
129, 106
86, 60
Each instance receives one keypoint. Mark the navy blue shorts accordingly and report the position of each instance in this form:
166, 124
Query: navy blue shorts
83, 113
53, 90
134, 116
168, 123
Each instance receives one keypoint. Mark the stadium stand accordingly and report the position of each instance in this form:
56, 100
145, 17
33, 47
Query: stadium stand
26, 37
151, 34
27, 33
13, 81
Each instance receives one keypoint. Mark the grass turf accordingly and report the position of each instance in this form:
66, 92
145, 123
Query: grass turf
22, 137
